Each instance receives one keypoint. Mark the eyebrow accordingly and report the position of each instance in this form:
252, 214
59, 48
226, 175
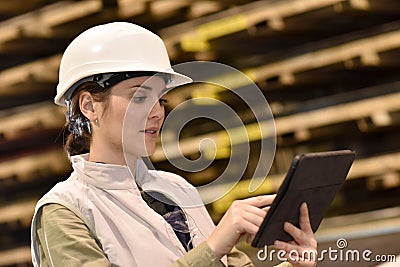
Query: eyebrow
163, 91
142, 86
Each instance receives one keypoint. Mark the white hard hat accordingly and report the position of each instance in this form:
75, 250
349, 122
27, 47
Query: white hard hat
112, 48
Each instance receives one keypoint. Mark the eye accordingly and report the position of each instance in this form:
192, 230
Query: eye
139, 99
163, 101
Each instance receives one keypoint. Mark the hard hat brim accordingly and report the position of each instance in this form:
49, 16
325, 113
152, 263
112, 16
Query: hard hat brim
176, 79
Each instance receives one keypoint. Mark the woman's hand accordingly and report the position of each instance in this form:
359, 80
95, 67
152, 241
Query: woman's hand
302, 252
243, 217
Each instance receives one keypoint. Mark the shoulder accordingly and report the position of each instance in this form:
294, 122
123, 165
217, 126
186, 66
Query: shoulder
67, 189
55, 213
71, 193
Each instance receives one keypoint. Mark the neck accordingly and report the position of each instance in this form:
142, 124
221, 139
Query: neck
111, 156
118, 159
107, 158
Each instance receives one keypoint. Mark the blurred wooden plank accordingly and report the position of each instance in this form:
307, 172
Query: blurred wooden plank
42, 115
337, 113
160, 9
27, 168
253, 13
367, 49
15, 256
42, 69
131, 8
358, 230
369, 216
40, 21
20, 211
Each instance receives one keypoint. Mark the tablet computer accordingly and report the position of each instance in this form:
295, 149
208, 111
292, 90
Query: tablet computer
314, 178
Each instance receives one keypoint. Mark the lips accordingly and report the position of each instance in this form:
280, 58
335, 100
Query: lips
152, 131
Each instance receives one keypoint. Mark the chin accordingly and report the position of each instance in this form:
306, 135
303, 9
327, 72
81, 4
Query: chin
150, 151
138, 152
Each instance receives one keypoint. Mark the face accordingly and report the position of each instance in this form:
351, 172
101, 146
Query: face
131, 121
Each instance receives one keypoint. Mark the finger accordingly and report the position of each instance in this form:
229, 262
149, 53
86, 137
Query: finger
285, 246
249, 238
254, 210
295, 250
297, 259
248, 227
260, 201
291, 254
266, 209
304, 219
294, 261
288, 248
253, 218
300, 262
299, 236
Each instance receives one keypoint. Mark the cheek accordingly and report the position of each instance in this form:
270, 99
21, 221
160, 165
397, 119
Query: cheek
133, 118
134, 121
138, 114
113, 118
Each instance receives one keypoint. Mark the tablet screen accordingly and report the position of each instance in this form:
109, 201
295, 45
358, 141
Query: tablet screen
314, 178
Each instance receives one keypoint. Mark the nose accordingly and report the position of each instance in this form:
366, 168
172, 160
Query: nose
157, 111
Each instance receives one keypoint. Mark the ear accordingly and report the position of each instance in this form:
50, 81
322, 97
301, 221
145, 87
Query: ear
86, 105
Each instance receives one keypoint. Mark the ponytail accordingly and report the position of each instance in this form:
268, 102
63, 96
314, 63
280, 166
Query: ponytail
78, 127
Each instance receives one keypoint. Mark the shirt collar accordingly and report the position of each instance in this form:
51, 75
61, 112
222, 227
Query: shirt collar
118, 177
102, 175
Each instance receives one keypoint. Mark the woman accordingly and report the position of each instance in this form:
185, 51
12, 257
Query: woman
113, 211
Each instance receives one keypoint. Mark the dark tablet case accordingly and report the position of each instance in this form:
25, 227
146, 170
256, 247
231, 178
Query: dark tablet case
314, 178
